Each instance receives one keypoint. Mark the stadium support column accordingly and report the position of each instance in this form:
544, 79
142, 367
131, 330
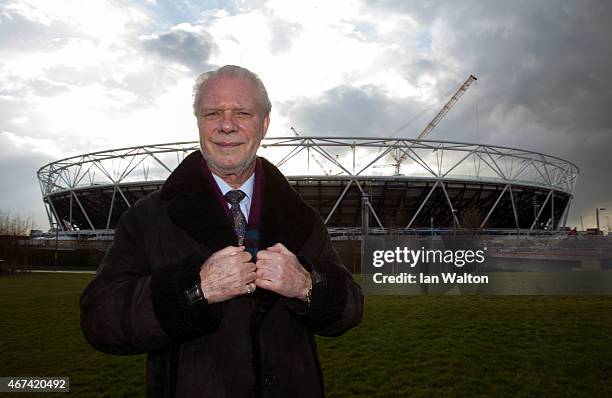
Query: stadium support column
365, 223
566, 212
365, 214
365, 219
58, 221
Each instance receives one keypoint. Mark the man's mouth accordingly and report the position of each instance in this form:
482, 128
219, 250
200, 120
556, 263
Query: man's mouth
228, 144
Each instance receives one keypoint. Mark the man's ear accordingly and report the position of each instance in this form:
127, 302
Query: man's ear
266, 123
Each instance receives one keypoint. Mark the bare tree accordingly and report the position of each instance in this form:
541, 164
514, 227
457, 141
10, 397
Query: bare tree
11, 225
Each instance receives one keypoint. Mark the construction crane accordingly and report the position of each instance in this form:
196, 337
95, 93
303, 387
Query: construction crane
451, 102
434, 122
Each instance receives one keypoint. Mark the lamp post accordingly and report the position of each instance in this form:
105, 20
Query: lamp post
431, 226
55, 254
597, 210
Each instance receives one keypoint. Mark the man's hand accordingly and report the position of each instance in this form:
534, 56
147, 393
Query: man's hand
280, 271
226, 274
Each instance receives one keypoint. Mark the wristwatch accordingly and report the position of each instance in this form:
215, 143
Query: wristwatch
194, 294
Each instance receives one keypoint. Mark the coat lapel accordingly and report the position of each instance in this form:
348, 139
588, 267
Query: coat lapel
285, 217
194, 207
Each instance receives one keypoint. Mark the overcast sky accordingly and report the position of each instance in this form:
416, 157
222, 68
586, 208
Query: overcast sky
80, 76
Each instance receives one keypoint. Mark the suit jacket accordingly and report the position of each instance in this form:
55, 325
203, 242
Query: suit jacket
260, 345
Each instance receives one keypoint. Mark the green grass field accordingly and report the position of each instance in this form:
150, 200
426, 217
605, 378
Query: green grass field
405, 347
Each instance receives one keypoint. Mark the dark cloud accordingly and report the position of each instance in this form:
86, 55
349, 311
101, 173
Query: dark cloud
19, 165
187, 48
349, 111
544, 83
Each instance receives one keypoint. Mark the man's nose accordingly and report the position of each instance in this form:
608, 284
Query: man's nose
228, 124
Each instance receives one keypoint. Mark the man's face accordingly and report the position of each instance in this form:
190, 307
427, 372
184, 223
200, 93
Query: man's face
231, 124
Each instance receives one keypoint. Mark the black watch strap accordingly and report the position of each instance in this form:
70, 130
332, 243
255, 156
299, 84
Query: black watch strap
194, 295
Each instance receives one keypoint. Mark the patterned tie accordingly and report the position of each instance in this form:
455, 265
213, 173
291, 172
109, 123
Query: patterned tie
234, 197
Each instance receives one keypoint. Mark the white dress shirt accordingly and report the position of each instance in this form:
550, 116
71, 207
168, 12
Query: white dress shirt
247, 188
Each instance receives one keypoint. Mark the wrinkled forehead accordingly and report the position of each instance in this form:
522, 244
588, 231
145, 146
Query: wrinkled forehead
229, 91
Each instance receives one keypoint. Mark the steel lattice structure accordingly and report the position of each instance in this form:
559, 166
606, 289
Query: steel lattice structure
403, 183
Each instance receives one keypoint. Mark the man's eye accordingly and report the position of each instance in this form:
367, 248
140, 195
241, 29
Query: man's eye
210, 114
244, 114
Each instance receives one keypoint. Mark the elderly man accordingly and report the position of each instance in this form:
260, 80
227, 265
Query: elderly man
224, 275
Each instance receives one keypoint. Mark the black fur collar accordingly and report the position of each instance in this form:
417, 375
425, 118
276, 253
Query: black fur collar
194, 207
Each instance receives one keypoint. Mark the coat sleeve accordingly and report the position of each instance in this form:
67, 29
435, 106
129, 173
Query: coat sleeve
336, 303
127, 309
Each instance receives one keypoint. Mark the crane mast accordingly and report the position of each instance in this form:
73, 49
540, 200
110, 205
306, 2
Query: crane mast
451, 102
434, 122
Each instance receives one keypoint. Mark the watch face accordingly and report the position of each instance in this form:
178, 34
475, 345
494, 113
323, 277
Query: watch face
194, 294
316, 277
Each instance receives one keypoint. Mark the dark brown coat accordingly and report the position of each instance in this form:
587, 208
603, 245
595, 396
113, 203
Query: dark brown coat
250, 346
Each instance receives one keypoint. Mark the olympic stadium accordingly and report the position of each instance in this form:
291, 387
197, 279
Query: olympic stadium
383, 184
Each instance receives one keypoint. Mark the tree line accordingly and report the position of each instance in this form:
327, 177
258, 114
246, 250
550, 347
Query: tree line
15, 225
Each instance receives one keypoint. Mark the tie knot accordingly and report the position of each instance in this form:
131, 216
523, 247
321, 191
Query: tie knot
234, 196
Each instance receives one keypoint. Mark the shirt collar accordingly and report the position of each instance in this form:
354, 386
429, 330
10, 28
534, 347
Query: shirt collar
247, 187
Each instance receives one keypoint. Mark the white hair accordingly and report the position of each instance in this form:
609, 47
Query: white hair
233, 71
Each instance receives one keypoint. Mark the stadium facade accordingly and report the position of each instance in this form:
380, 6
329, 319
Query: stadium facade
387, 184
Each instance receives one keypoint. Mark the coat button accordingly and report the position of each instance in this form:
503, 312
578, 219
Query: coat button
268, 379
